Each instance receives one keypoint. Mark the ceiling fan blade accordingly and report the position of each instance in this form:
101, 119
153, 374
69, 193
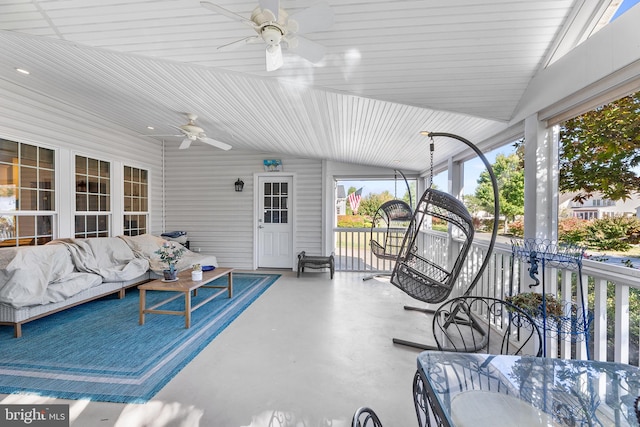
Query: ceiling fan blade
218, 144
227, 13
178, 128
274, 57
186, 143
318, 17
236, 44
306, 48
272, 6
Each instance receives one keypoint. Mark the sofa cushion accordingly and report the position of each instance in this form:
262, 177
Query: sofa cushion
146, 245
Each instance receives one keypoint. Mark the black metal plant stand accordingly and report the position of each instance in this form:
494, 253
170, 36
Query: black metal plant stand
542, 253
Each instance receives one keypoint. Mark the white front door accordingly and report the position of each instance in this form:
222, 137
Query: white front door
275, 221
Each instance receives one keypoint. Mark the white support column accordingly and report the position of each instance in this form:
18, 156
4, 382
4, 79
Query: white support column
541, 194
455, 184
455, 173
540, 180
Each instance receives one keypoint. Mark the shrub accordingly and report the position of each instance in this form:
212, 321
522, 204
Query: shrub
572, 230
353, 221
611, 233
516, 228
487, 225
477, 223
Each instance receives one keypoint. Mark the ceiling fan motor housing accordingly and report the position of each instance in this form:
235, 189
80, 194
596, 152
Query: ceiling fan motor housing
192, 131
272, 34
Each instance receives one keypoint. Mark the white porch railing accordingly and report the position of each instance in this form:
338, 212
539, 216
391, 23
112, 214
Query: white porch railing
353, 251
613, 336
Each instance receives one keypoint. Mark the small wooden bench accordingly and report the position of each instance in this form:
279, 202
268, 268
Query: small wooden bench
315, 261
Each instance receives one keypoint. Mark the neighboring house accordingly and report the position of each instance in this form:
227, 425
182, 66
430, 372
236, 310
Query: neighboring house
341, 200
599, 207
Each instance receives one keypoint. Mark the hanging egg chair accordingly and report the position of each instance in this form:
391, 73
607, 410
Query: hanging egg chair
394, 217
426, 271
416, 273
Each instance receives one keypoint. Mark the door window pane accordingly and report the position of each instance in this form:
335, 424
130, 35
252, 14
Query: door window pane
275, 203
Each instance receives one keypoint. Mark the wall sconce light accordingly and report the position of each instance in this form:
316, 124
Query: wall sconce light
239, 185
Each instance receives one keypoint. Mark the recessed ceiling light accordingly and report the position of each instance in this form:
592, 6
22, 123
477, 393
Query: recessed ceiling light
22, 70
150, 127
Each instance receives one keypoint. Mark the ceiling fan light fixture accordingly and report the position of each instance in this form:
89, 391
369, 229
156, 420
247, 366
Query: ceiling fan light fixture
273, 57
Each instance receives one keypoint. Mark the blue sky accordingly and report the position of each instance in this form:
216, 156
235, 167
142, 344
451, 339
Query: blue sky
626, 5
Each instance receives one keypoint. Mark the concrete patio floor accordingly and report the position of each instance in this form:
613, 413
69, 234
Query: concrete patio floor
309, 351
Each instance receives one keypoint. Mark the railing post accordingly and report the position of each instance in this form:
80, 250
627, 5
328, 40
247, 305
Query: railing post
600, 320
566, 291
622, 324
581, 343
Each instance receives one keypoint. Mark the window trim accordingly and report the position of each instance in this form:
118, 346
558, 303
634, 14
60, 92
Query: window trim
52, 213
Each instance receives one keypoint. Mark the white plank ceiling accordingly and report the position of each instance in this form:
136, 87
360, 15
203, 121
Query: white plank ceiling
392, 68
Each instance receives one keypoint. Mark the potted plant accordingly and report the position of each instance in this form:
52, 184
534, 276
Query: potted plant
532, 304
196, 272
170, 254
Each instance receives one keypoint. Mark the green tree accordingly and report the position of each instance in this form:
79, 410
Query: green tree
510, 177
600, 149
414, 196
473, 204
370, 204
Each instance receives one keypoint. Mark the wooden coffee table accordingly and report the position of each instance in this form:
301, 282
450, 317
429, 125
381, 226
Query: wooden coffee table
185, 286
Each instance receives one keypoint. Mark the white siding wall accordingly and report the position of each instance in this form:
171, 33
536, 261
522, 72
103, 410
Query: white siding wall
201, 199
198, 182
33, 118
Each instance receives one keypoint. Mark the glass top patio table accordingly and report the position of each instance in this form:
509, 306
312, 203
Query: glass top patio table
461, 389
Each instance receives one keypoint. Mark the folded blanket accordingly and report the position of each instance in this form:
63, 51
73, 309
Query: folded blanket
40, 275
108, 257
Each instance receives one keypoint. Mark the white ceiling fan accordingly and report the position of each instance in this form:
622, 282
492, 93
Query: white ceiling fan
275, 27
191, 132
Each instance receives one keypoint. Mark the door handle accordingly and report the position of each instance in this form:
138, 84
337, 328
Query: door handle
260, 226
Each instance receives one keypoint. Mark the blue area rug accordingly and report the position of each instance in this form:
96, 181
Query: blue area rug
98, 351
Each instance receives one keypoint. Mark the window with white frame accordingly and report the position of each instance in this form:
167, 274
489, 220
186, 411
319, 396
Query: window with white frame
93, 197
136, 201
27, 194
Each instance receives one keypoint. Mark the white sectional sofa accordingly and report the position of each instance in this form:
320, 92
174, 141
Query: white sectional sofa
36, 281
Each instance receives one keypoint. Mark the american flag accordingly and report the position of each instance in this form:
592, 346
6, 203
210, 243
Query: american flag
354, 200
